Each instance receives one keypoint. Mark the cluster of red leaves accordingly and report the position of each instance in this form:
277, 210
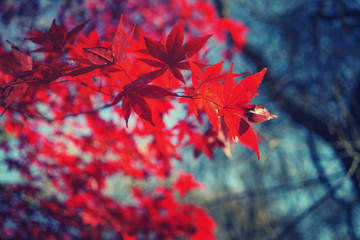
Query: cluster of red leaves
66, 113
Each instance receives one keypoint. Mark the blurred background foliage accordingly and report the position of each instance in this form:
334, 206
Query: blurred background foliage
306, 186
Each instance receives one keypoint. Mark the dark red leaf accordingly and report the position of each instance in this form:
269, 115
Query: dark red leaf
248, 137
146, 78
178, 74
140, 107
117, 46
99, 55
156, 49
174, 53
118, 98
174, 40
126, 108
243, 127
151, 91
258, 114
11, 93
137, 103
16, 61
191, 47
75, 31
57, 33
152, 63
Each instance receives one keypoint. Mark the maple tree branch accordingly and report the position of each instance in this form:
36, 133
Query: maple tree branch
259, 192
316, 160
304, 214
331, 192
96, 110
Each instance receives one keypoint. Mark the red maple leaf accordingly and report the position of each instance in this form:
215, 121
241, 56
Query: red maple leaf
236, 29
257, 113
15, 62
234, 101
100, 55
206, 84
172, 55
206, 143
185, 183
56, 38
10, 92
133, 95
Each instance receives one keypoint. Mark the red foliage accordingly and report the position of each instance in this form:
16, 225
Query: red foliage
185, 183
172, 55
65, 113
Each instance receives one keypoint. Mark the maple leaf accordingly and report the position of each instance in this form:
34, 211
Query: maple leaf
234, 103
206, 85
257, 113
56, 38
185, 128
10, 92
15, 62
110, 55
206, 143
203, 84
133, 95
236, 29
185, 183
99, 57
172, 55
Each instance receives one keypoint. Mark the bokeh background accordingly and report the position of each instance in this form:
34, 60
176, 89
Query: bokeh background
307, 183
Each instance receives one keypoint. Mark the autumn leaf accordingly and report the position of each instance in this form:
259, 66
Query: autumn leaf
15, 62
185, 183
234, 98
203, 84
138, 104
236, 29
133, 95
234, 101
56, 38
99, 55
103, 55
247, 136
206, 85
119, 42
257, 114
12, 92
172, 55
206, 143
